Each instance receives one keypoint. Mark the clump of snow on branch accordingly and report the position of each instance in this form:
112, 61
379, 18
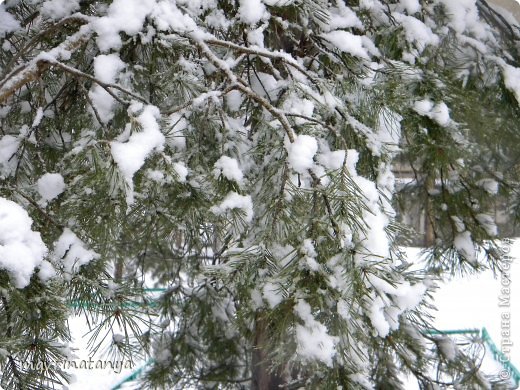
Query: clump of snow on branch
235, 201
488, 224
448, 348
106, 69
272, 294
372, 239
21, 249
301, 153
50, 186
72, 252
512, 80
57, 9
488, 185
229, 168
388, 302
332, 160
314, 342
251, 11
464, 17
341, 16
437, 112
464, 245
131, 155
8, 147
347, 42
181, 171
123, 16
410, 6
7, 22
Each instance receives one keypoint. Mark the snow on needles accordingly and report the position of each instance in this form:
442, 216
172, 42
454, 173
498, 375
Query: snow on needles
251, 11
347, 42
229, 168
512, 80
50, 186
131, 155
235, 201
123, 15
301, 153
57, 9
437, 112
21, 249
7, 22
72, 253
313, 340
106, 69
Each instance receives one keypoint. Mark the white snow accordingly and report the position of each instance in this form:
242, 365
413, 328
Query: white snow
314, 342
301, 153
176, 138
72, 252
409, 296
106, 69
474, 301
7, 22
437, 112
229, 168
416, 31
347, 42
374, 239
251, 11
50, 185
272, 294
389, 130
489, 185
309, 255
57, 9
448, 348
155, 175
131, 155
266, 85
459, 224
123, 16
512, 80
464, 17
464, 245
332, 160
235, 201
411, 6
181, 171
21, 249
8, 147
168, 17
377, 316
37, 118
234, 100
341, 17
385, 315
296, 105
256, 37
488, 224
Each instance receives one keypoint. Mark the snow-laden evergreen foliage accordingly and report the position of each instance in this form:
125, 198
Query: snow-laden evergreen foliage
240, 154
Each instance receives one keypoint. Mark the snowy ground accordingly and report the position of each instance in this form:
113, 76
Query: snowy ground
472, 302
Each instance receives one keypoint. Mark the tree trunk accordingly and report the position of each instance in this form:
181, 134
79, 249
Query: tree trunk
429, 229
262, 377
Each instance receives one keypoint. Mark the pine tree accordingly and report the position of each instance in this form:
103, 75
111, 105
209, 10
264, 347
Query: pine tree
239, 154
